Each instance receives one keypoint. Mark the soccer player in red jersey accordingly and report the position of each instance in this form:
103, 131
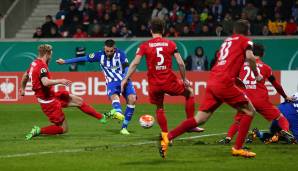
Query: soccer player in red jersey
258, 94
162, 80
221, 88
52, 103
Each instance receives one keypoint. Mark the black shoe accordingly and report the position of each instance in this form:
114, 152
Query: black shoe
288, 136
225, 140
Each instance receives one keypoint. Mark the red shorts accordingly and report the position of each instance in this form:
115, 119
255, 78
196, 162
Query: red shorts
266, 109
53, 109
172, 88
218, 94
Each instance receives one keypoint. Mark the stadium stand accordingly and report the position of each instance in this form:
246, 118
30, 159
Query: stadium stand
129, 18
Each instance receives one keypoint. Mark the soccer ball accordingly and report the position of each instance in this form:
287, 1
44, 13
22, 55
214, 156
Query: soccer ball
146, 121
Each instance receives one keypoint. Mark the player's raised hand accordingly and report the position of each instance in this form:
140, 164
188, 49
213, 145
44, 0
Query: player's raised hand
259, 78
290, 99
21, 93
60, 61
186, 83
65, 82
123, 84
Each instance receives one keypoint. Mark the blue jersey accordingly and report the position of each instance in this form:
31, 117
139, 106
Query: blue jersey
290, 111
112, 67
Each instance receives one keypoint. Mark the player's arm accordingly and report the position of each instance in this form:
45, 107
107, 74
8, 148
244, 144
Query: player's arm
181, 66
279, 88
131, 69
93, 57
24, 81
252, 63
49, 82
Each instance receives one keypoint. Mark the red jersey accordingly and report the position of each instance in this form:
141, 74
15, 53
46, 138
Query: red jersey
37, 70
253, 88
230, 59
158, 52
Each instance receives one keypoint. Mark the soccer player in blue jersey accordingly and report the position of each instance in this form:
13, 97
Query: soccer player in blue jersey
114, 64
290, 111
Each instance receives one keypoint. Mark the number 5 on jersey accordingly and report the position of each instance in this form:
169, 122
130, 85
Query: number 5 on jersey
162, 59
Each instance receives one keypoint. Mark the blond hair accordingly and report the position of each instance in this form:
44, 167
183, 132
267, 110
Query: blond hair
44, 49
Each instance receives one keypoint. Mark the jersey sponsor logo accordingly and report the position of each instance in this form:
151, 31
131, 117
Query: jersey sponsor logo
8, 88
91, 55
43, 70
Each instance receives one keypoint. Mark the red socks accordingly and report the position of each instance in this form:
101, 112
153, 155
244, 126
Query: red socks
233, 130
235, 126
162, 120
243, 130
52, 130
183, 127
283, 123
90, 111
190, 106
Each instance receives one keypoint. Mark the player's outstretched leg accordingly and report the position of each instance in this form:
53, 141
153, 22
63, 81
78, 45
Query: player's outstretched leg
190, 107
130, 108
76, 101
186, 125
128, 115
245, 122
48, 130
232, 130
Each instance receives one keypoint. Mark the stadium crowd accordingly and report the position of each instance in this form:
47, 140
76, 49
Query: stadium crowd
129, 18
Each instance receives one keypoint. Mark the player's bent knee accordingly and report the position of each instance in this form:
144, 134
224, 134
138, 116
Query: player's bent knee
132, 99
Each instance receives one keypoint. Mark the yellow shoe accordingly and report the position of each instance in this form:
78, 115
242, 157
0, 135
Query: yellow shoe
124, 131
114, 115
164, 143
243, 153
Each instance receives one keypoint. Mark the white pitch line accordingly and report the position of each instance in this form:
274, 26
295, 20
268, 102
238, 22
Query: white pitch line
86, 148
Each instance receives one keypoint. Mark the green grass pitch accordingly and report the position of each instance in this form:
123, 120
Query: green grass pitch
91, 146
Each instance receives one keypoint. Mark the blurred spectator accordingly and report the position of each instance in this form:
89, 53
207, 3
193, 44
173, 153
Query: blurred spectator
205, 31
280, 30
54, 33
135, 25
187, 32
144, 13
114, 32
291, 27
38, 33
227, 24
159, 11
80, 33
217, 10
125, 32
274, 25
198, 61
234, 9
96, 31
219, 31
179, 24
71, 28
106, 24
265, 31
46, 27
172, 32
251, 11
71, 13
295, 11
257, 25
144, 31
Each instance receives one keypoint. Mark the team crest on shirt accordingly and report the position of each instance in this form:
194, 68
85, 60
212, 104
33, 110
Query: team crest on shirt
91, 55
43, 70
